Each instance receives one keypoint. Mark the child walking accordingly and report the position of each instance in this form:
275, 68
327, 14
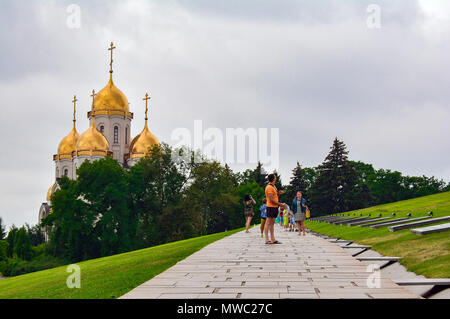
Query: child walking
263, 216
286, 214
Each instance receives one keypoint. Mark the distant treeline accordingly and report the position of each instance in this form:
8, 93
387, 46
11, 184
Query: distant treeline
175, 194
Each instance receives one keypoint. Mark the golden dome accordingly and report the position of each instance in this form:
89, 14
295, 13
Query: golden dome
68, 144
92, 142
49, 193
142, 143
110, 98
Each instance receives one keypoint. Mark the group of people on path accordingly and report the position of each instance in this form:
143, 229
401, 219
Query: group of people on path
271, 208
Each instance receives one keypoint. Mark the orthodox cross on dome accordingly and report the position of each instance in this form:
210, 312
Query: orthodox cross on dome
92, 107
146, 98
93, 96
111, 48
74, 101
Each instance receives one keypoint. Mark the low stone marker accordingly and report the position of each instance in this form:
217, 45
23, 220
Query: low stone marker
431, 229
352, 220
424, 281
367, 221
396, 222
421, 223
347, 220
379, 219
403, 219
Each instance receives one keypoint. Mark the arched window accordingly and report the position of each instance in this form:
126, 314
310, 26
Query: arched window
116, 134
126, 135
57, 172
102, 129
66, 172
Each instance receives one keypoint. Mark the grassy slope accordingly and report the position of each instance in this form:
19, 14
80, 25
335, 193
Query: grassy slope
427, 255
108, 277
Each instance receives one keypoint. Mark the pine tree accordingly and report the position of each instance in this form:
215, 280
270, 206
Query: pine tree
297, 183
259, 175
333, 189
22, 244
2, 230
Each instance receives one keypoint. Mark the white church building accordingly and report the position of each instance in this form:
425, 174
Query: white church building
108, 135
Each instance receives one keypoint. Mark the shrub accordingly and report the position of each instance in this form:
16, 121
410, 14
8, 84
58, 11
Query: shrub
16, 266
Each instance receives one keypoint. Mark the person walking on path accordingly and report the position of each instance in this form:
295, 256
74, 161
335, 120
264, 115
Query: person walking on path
248, 210
272, 209
299, 210
263, 215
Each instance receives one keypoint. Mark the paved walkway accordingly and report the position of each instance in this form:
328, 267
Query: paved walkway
242, 266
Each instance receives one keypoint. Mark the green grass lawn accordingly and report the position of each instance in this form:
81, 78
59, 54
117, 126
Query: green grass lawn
427, 255
107, 277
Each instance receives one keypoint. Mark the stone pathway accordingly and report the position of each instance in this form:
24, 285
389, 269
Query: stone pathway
242, 266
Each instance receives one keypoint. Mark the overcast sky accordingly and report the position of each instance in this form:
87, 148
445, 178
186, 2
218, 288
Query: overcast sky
313, 69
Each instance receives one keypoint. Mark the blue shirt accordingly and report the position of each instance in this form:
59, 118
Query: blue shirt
263, 211
294, 205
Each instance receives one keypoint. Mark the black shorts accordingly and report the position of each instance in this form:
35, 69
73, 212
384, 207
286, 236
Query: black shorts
272, 212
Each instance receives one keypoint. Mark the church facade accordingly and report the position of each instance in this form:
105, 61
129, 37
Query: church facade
108, 135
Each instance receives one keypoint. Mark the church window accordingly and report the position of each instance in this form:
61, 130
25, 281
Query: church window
116, 134
126, 135
66, 172
102, 129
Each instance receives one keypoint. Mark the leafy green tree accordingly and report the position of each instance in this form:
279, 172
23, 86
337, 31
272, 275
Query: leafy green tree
22, 244
71, 224
387, 186
245, 176
10, 240
36, 235
157, 185
212, 189
3, 250
103, 185
309, 176
416, 186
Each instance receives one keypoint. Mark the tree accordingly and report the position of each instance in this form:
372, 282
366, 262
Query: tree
387, 186
245, 176
71, 224
2, 230
212, 190
22, 244
333, 189
3, 250
259, 175
10, 240
36, 235
103, 185
298, 182
157, 186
